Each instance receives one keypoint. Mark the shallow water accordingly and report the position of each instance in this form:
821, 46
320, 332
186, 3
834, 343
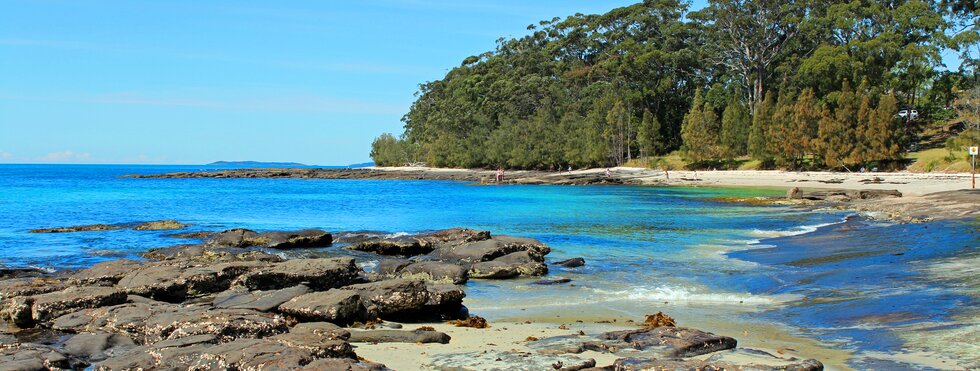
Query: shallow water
877, 289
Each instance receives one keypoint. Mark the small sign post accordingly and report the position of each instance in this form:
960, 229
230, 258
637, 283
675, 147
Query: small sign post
973, 166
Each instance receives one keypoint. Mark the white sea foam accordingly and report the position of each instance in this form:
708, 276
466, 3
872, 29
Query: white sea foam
684, 295
397, 234
794, 231
368, 266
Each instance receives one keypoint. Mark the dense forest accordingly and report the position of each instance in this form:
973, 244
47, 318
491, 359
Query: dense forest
791, 83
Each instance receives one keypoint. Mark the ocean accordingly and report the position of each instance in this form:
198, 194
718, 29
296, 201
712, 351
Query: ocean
888, 294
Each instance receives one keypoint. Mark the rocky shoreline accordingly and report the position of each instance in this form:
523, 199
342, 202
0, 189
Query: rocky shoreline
877, 195
232, 302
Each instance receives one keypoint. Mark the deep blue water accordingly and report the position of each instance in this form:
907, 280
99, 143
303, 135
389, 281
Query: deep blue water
645, 246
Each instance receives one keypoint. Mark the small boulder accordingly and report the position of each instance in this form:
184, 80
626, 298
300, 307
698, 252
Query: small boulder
794, 194
571, 263
337, 306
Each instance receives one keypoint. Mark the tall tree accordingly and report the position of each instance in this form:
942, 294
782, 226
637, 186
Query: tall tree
749, 36
761, 128
700, 131
735, 127
838, 130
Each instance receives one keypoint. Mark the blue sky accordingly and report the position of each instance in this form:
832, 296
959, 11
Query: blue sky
192, 82
189, 82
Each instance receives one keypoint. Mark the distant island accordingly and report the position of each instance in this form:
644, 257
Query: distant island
255, 164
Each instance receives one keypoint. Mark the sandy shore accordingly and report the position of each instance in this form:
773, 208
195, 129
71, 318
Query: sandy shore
910, 184
925, 196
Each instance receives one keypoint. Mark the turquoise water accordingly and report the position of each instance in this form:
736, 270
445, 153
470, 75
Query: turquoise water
647, 248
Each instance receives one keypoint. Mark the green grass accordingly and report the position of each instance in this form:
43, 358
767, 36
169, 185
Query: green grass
938, 160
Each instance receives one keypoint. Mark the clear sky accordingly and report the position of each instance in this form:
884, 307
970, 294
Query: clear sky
192, 82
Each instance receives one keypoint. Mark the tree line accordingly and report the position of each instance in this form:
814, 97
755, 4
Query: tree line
794, 84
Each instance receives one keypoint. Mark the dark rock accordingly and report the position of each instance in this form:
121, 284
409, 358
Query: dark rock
322, 339
241, 354
486, 250
493, 270
152, 323
28, 286
398, 336
392, 298
105, 273
210, 254
25, 272
696, 364
571, 263
26, 310
390, 267
262, 301
278, 240
318, 274
174, 281
202, 235
400, 246
79, 228
865, 194
95, 347
238, 237
794, 194
344, 364
434, 271
353, 237
160, 225
676, 341
29, 357
337, 306
296, 239
455, 237
557, 281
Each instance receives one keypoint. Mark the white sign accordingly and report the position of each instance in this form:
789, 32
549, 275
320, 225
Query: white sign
974, 150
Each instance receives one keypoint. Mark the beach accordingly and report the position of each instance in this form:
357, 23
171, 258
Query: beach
755, 277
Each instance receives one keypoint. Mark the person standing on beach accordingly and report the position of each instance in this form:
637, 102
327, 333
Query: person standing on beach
500, 174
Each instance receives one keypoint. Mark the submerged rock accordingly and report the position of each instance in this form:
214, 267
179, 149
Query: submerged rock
571, 263
79, 228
